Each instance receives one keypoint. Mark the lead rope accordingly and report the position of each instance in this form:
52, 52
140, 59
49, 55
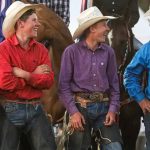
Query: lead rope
66, 132
129, 48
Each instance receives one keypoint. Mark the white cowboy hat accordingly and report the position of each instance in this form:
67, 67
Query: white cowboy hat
87, 18
13, 13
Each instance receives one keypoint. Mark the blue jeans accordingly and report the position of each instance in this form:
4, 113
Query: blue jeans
147, 129
94, 116
30, 120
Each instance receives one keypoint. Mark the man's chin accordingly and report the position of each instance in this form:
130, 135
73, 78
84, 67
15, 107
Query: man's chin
102, 41
34, 36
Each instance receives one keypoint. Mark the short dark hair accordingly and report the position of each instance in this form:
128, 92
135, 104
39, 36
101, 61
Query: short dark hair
28, 13
84, 34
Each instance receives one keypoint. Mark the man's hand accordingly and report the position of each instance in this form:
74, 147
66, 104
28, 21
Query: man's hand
110, 118
145, 105
77, 121
18, 72
42, 69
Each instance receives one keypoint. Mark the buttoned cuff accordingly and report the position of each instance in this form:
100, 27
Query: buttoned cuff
114, 108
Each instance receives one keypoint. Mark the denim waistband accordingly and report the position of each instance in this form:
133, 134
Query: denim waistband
24, 101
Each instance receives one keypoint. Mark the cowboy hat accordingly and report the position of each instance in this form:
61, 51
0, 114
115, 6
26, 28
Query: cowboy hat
13, 13
87, 18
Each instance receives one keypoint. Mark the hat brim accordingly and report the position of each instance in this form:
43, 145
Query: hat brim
9, 22
81, 28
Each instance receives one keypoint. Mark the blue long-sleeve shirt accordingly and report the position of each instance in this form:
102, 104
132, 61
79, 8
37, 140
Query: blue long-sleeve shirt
133, 74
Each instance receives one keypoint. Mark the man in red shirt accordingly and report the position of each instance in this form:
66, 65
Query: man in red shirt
25, 71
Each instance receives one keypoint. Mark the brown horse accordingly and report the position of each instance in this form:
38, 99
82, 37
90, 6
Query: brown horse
130, 112
54, 30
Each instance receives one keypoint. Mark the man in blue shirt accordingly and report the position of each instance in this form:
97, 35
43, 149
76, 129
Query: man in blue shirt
4, 4
133, 83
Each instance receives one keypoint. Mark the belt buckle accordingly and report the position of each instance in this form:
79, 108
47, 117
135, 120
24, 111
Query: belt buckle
92, 97
101, 96
96, 96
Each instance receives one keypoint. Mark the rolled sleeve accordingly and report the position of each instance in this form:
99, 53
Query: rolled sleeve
41, 81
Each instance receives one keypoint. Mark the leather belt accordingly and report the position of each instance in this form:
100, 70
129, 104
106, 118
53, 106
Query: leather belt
93, 96
85, 98
25, 101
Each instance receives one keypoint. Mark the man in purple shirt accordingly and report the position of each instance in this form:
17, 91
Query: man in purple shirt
88, 84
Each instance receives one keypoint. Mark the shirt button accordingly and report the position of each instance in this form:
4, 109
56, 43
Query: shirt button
94, 85
93, 53
102, 63
113, 3
93, 63
113, 10
94, 74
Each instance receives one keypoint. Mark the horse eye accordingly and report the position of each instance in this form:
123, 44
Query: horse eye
108, 22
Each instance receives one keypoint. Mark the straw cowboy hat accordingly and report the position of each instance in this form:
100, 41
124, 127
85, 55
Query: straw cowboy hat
87, 18
13, 13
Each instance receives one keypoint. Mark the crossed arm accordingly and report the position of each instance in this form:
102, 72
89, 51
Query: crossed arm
15, 78
41, 77
42, 69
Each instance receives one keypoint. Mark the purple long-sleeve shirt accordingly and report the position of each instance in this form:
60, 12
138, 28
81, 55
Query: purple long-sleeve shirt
84, 70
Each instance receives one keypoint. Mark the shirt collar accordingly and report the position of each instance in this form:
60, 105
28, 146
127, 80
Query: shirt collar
14, 41
84, 44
